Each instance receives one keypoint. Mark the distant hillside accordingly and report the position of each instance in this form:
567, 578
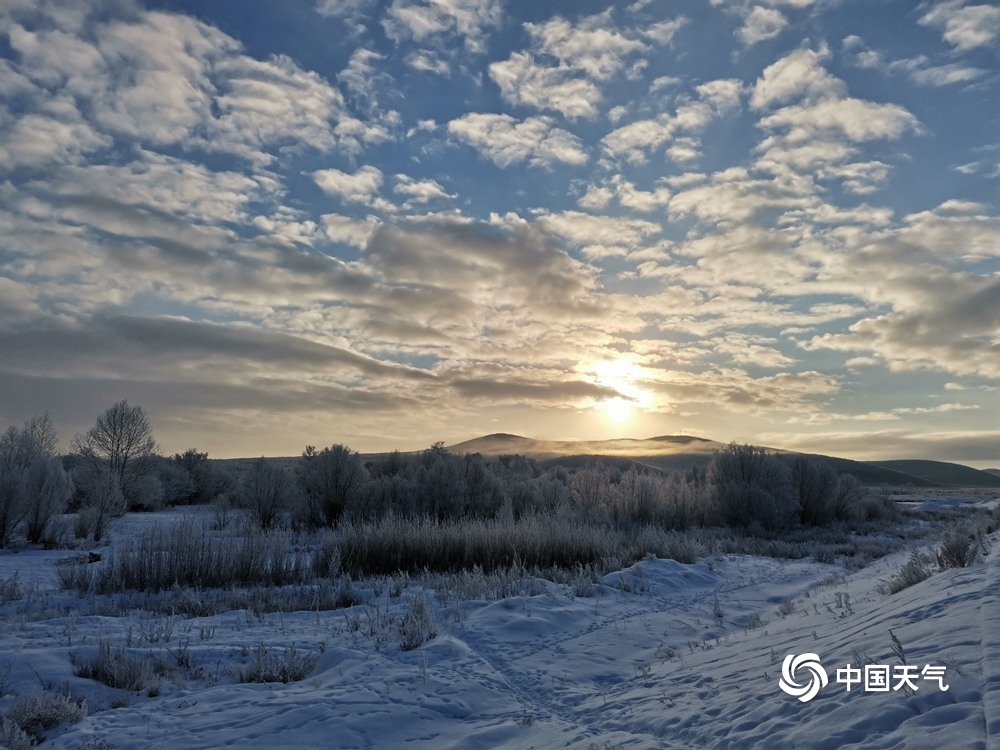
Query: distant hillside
875, 475
682, 452
944, 473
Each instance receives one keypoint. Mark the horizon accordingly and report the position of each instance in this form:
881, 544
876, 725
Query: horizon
986, 465
368, 222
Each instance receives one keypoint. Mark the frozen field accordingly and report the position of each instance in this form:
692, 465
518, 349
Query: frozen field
659, 655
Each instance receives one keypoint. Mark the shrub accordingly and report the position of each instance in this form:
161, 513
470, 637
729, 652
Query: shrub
915, 571
38, 713
85, 522
418, 626
115, 667
103, 500
222, 512
10, 591
268, 667
960, 548
874, 508
204, 481
12, 737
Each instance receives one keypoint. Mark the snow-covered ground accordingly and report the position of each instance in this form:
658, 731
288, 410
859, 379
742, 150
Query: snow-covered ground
661, 655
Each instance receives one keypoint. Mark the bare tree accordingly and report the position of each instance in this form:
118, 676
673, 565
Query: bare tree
20, 448
265, 492
118, 447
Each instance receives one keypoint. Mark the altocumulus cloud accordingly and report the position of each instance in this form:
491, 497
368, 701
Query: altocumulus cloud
387, 221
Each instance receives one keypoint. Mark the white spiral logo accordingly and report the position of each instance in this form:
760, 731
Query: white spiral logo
817, 676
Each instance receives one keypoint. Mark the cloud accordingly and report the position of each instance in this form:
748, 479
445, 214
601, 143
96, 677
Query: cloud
481, 267
354, 13
736, 195
714, 99
814, 128
734, 390
750, 350
523, 391
590, 46
18, 302
142, 349
567, 62
628, 195
170, 185
875, 445
525, 82
919, 69
428, 62
348, 230
58, 136
946, 75
761, 24
360, 187
587, 229
924, 316
362, 78
965, 27
505, 141
152, 182
420, 191
162, 79
797, 75
437, 20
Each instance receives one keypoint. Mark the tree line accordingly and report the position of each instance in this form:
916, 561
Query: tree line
115, 466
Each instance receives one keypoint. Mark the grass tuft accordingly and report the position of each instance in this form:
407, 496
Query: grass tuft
267, 666
115, 667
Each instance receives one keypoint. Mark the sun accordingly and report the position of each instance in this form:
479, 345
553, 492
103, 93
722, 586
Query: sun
617, 409
624, 376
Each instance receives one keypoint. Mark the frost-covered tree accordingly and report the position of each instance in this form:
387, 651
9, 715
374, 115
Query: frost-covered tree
333, 481
20, 449
118, 449
103, 500
47, 487
752, 486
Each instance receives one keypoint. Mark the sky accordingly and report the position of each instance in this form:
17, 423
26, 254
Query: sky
389, 223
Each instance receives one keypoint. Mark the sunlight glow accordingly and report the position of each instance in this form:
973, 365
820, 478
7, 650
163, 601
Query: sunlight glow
617, 409
624, 375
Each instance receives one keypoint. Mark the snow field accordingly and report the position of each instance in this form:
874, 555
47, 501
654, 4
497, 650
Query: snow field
661, 654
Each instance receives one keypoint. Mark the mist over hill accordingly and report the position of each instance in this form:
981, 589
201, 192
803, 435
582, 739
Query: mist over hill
666, 453
683, 452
